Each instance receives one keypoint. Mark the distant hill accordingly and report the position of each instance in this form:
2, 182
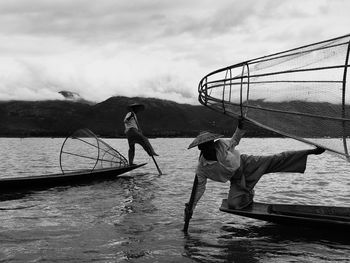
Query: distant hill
162, 118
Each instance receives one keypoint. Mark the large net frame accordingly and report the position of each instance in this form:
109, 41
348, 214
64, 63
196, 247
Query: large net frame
300, 93
84, 151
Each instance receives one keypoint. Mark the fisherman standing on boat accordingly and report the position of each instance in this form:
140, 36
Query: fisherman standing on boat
134, 133
221, 162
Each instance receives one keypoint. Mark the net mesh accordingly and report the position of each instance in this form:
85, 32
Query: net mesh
84, 151
300, 93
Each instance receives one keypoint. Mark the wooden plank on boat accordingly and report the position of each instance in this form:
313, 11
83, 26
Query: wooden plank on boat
16, 184
315, 216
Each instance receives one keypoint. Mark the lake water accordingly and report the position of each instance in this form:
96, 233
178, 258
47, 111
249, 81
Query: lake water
139, 218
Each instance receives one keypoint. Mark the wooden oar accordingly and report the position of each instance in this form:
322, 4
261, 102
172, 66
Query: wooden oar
189, 206
154, 160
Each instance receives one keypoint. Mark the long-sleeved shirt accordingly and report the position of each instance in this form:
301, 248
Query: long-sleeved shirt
222, 170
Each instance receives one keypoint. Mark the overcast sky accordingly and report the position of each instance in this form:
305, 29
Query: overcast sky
149, 48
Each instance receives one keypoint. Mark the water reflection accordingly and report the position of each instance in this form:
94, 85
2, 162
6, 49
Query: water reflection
13, 196
276, 233
265, 242
222, 249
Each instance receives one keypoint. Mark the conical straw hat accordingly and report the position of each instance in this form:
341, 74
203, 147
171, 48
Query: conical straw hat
204, 137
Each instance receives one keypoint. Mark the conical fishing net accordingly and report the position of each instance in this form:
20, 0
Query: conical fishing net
84, 151
300, 93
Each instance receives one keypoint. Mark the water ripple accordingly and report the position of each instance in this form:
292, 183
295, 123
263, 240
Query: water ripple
139, 218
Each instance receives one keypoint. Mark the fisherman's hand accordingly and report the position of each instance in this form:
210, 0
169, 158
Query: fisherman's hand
188, 212
242, 123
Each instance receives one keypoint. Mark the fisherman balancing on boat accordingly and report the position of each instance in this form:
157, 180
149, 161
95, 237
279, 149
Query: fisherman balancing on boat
221, 162
134, 133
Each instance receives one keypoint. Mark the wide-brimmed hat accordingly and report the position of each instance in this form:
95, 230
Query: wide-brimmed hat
203, 137
136, 106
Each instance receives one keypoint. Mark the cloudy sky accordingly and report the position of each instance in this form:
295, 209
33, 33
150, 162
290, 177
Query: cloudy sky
149, 48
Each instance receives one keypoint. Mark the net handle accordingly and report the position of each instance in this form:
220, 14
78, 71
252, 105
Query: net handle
343, 98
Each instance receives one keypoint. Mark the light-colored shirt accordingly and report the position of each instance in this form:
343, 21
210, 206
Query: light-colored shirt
222, 170
130, 121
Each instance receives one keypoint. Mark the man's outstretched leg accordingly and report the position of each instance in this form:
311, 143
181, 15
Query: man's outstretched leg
254, 167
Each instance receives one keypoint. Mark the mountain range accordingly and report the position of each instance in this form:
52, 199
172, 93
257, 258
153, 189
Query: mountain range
162, 118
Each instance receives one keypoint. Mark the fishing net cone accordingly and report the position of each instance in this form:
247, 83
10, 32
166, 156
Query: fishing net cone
84, 151
300, 93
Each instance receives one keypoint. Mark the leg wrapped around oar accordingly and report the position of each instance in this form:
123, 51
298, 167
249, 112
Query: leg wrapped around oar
135, 136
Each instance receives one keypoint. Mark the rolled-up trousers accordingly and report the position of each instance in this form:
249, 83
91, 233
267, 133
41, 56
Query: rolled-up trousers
252, 168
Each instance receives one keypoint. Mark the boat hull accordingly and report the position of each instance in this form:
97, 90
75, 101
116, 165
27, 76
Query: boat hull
311, 216
17, 184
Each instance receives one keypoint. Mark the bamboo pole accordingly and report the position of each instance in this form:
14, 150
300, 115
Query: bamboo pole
154, 160
189, 205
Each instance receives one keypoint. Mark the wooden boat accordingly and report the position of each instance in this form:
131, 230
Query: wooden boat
305, 215
84, 158
40, 182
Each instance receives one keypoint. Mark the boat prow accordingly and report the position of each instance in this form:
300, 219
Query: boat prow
41, 182
305, 215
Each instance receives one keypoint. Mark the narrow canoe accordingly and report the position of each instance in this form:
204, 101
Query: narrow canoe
311, 216
40, 182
